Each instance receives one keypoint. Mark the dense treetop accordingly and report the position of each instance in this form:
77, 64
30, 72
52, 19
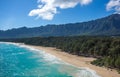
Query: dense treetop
105, 49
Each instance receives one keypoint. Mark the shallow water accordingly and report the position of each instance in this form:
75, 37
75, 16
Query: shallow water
21, 61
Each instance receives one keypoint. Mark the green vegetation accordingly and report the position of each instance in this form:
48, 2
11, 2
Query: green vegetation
105, 49
107, 26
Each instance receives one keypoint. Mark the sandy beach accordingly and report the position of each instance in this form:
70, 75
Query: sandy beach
78, 61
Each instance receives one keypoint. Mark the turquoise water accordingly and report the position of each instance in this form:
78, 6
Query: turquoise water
22, 61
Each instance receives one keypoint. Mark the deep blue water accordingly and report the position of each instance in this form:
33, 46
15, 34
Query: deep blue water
22, 61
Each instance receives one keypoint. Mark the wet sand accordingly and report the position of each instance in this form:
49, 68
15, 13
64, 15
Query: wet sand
78, 61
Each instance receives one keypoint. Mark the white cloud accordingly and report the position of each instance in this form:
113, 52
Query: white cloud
114, 5
48, 8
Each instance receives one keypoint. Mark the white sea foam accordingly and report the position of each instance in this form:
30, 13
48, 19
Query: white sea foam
12, 43
20, 53
46, 56
82, 71
86, 72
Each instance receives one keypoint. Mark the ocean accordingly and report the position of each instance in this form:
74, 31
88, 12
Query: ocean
17, 60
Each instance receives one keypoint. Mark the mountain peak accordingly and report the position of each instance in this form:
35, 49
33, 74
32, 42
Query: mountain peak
109, 25
114, 16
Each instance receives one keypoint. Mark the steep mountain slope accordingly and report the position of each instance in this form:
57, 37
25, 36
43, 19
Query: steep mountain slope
105, 26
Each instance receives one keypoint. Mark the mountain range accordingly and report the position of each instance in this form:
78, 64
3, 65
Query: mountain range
107, 26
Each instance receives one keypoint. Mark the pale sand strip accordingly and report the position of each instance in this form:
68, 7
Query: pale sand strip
78, 61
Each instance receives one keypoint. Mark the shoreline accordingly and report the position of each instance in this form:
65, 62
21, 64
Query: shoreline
78, 61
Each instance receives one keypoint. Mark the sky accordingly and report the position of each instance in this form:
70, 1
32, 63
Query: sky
35, 13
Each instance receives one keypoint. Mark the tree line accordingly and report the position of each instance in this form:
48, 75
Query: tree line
105, 49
